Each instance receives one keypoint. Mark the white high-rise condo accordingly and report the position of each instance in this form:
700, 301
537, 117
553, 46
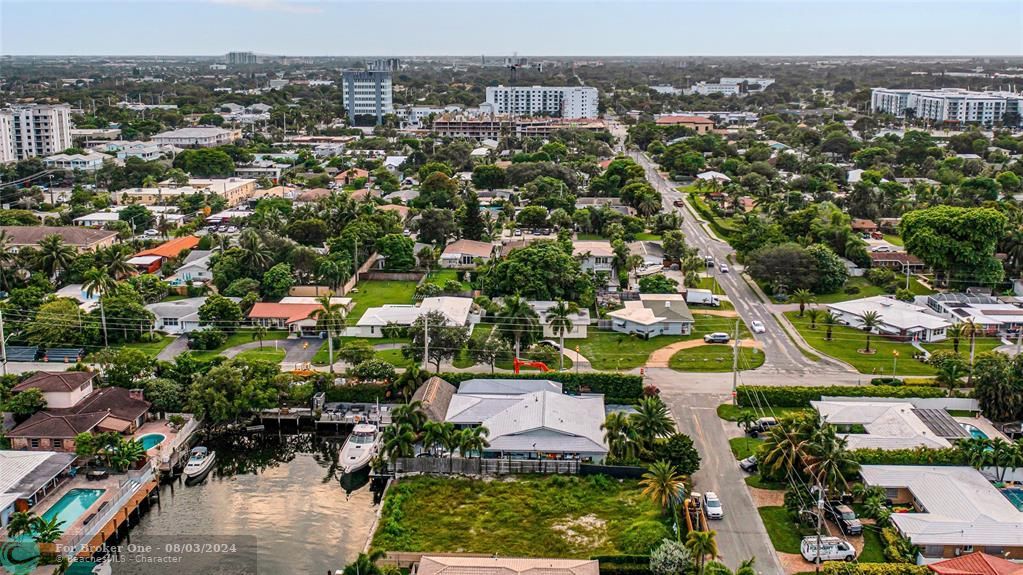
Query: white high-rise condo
34, 130
367, 93
950, 105
563, 101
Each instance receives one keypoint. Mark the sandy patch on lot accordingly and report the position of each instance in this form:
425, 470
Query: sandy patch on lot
586, 531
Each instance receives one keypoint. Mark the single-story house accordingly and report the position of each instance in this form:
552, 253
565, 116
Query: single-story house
653, 315
28, 477
293, 314
976, 563
178, 316
194, 268
79, 238
594, 255
580, 320
150, 260
89, 162
989, 313
457, 310
713, 176
462, 565
897, 261
78, 293
898, 319
540, 424
464, 254
105, 409
956, 510
349, 176
891, 424
312, 196
61, 389
402, 211
862, 226
588, 203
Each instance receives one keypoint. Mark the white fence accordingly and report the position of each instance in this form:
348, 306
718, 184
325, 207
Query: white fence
169, 449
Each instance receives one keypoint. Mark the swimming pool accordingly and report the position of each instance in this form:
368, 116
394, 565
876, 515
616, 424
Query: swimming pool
151, 440
973, 431
1015, 495
70, 507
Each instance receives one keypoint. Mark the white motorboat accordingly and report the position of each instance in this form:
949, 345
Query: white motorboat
359, 448
199, 461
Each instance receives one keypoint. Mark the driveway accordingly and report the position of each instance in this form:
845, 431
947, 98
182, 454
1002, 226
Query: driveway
173, 349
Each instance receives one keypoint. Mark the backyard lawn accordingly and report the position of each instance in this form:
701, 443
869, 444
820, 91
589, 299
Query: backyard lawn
526, 516
394, 356
441, 277
868, 289
648, 237
237, 338
846, 341
893, 239
151, 348
715, 358
782, 529
375, 293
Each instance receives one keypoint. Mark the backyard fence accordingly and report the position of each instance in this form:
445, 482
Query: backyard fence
468, 466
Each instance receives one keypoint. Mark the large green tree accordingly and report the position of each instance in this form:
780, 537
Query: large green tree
959, 242
541, 271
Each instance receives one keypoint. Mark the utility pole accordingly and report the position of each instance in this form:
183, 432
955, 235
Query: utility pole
907, 275
735, 363
426, 342
820, 513
3, 344
1019, 336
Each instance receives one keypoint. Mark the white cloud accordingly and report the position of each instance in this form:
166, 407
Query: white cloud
273, 6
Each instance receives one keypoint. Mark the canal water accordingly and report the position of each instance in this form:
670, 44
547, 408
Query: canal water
279, 501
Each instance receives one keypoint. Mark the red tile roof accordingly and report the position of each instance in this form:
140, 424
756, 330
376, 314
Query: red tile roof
674, 120
289, 312
172, 248
976, 564
47, 381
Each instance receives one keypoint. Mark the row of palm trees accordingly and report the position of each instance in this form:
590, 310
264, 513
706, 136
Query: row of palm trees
631, 436
410, 427
807, 447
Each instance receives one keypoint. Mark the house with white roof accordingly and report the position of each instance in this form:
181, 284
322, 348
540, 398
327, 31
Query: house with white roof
891, 424
178, 316
594, 255
463, 253
712, 176
992, 315
26, 477
89, 162
86, 302
580, 320
955, 510
456, 310
898, 319
531, 420
653, 315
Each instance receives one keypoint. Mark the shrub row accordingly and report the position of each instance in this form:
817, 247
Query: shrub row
616, 387
893, 381
837, 568
896, 382
362, 393
623, 564
801, 396
914, 456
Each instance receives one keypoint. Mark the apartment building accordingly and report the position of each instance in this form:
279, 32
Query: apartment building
89, 162
732, 86
491, 127
242, 58
563, 101
203, 137
367, 93
34, 130
950, 105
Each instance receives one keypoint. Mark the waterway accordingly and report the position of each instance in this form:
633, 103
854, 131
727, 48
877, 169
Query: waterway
278, 499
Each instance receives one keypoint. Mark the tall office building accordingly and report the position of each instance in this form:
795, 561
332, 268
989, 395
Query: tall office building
567, 102
35, 130
950, 105
242, 58
367, 93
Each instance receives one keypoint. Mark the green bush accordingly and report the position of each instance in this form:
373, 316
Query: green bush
206, 339
897, 549
914, 456
363, 393
837, 568
643, 536
892, 381
616, 387
801, 396
373, 370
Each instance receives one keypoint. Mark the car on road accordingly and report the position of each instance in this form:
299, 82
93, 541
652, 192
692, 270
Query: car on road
723, 268
844, 517
517, 232
678, 203
709, 260
713, 507
717, 337
749, 465
757, 326
151, 232
761, 426
830, 549
549, 342
882, 249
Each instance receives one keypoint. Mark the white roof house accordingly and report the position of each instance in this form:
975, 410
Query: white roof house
195, 268
891, 425
988, 312
580, 320
178, 316
714, 176
499, 386
653, 314
956, 507
457, 310
76, 292
28, 476
898, 319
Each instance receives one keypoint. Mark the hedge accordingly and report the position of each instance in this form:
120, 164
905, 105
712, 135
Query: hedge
892, 381
838, 568
623, 564
362, 393
801, 396
616, 387
914, 456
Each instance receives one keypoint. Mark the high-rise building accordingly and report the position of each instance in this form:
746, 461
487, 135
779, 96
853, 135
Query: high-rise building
366, 93
564, 101
35, 130
242, 58
7, 138
950, 105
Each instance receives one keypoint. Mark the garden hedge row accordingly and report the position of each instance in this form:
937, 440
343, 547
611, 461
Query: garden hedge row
914, 456
801, 396
837, 568
623, 564
616, 387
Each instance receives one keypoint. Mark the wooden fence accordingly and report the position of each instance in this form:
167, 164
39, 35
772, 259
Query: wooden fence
464, 466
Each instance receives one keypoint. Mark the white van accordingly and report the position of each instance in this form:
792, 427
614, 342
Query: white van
832, 549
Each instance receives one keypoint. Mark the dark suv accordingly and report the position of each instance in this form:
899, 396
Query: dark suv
761, 426
844, 517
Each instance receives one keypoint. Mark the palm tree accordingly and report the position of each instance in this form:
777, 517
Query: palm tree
399, 440
115, 262
409, 381
329, 315
437, 433
472, 440
955, 332
813, 313
651, 420
99, 283
868, 321
20, 523
701, 544
829, 320
746, 419
976, 450
664, 484
411, 413
54, 255
47, 530
784, 448
803, 297
829, 461
517, 320
254, 253
561, 323
6, 257
365, 564
949, 375
620, 436
259, 332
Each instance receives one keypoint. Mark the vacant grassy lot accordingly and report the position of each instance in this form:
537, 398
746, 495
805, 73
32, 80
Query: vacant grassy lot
237, 338
151, 348
868, 289
266, 354
526, 516
375, 293
715, 358
322, 356
782, 529
730, 412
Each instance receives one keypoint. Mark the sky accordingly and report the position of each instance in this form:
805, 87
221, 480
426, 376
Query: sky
503, 27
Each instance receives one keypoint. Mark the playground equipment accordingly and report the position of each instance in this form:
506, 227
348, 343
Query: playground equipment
517, 363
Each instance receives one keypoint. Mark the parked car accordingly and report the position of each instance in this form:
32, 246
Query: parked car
151, 232
648, 269
882, 249
716, 337
831, 549
749, 465
709, 260
714, 510
762, 425
679, 203
723, 268
844, 517
757, 326
517, 232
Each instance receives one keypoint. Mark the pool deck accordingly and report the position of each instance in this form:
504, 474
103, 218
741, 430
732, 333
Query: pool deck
984, 425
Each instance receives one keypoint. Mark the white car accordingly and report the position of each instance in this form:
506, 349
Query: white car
723, 268
151, 233
757, 326
831, 549
881, 249
713, 506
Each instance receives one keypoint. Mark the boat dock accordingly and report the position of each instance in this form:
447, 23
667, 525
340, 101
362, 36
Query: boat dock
338, 416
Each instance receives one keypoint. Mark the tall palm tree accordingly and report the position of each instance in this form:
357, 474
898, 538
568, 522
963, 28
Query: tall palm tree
784, 448
115, 261
437, 433
955, 332
411, 413
868, 321
399, 440
949, 375
829, 461
701, 544
254, 252
664, 484
829, 320
517, 321
746, 419
651, 420
54, 256
472, 440
813, 313
99, 283
803, 297
620, 436
6, 257
331, 316
561, 323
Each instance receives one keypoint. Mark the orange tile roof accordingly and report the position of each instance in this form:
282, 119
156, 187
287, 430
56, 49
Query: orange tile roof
672, 120
289, 312
976, 564
172, 248
353, 173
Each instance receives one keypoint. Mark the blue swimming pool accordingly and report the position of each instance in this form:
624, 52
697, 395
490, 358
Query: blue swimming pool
1015, 495
973, 431
151, 440
70, 507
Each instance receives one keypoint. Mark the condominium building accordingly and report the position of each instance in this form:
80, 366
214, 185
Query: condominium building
367, 93
242, 58
89, 162
732, 86
494, 127
565, 101
35, 130
950, 105
205, 137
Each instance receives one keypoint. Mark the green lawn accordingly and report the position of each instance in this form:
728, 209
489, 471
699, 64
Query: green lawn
743, 447
589, 237
322, 356
648, 237
758, 482
893, 239
781, 526
868, 289
608, 350
375, 293
711, 283
441, 277
715, 358
873, 548
846, 342
237, 338
266, 354
507, 364
151, 348
526, 516
730, 412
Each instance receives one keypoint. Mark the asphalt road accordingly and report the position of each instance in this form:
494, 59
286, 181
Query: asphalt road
782, 355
